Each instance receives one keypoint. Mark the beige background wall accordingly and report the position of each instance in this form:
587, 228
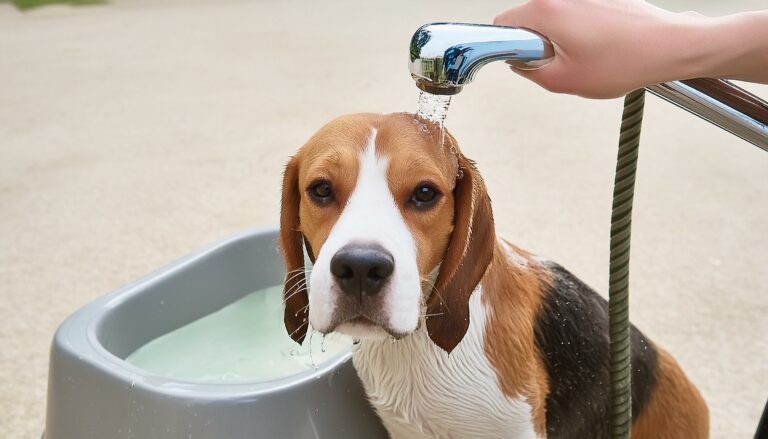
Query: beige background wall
134, 133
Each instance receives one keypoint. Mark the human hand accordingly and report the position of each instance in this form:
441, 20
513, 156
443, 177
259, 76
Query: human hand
607, 48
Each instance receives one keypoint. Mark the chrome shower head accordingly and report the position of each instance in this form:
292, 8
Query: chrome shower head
444, 57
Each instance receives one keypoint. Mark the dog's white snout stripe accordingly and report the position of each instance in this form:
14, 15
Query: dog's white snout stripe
371, 216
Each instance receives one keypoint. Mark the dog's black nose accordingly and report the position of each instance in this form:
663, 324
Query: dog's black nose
362, 269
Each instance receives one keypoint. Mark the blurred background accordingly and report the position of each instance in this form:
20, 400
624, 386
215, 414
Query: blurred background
134, 132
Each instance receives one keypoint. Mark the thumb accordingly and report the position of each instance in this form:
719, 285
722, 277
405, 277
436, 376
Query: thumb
532, 75
550, 76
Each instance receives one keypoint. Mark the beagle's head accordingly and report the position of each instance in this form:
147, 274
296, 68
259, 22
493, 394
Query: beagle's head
397, 223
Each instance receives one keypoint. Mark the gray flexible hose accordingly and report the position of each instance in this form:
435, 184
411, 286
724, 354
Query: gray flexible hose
618, 278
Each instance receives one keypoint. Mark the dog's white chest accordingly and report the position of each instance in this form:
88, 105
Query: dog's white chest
420, 391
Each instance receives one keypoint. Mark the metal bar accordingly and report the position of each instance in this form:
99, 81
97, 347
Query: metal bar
720, 103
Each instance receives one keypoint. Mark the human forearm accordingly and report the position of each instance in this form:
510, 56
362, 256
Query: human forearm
736, 47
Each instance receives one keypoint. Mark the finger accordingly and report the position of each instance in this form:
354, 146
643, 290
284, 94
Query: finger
515, 17
528, 15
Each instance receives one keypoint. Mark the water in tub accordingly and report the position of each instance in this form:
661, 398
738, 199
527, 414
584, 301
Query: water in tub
244, 341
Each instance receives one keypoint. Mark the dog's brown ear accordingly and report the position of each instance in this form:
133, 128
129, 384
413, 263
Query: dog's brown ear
468, 255
296, 317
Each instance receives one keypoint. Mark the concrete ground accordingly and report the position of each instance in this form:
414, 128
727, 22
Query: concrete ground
134, 133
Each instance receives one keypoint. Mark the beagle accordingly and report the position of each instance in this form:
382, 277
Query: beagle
461, 334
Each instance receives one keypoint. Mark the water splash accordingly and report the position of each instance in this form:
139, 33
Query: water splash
311, 358
434, 108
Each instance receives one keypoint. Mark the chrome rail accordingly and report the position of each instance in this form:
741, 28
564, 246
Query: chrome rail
721, 103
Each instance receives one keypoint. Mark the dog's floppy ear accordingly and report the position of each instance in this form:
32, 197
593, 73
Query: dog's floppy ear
296, 317
468, 255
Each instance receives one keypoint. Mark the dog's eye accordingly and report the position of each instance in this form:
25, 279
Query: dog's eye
424, 196
321, 192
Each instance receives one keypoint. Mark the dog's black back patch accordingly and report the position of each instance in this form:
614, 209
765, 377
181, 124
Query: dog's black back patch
572, 334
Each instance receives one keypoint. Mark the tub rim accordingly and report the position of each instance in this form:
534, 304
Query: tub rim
79, 335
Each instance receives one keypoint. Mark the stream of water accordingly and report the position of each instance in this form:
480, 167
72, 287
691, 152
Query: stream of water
434, 108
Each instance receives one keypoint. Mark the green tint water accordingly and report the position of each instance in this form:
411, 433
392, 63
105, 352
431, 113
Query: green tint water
245, 340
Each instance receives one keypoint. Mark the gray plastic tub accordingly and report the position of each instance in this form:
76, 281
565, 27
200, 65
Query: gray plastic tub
94, 393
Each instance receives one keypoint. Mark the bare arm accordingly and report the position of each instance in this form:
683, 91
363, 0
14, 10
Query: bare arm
607, 48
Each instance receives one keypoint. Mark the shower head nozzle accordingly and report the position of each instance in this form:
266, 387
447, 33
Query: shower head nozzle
445, 56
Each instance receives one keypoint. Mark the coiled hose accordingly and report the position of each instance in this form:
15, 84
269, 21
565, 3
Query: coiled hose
618, 278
